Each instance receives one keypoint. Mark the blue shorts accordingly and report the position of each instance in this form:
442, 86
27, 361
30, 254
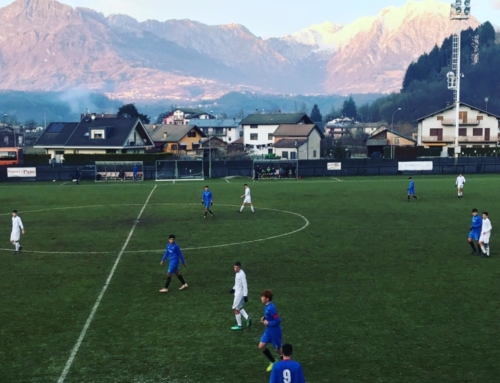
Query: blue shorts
272, 335
411, 191
474, 235
173, 268
207, 205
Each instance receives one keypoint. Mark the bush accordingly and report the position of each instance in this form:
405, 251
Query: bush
36, 159
89, 159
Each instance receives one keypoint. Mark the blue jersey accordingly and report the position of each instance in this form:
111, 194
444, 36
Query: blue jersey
477, 223
412, 186
271, 315
287, 371
206, 197
174, 254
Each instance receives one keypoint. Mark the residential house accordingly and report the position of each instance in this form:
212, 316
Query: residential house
212, 146
177, 139
9, 137
183, 116
94, 135
302, 141
386, 137
228, 130
258, 129
477, 128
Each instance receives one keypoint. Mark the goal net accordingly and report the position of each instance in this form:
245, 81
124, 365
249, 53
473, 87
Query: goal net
177, 170
119, 171
276, 169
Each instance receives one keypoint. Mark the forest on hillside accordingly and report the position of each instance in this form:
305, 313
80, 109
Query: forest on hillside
424, 88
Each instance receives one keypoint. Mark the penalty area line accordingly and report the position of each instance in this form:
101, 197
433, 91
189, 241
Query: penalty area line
75, 349
337, 179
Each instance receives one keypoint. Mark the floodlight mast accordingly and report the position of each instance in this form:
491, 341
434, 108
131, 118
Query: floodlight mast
454, 83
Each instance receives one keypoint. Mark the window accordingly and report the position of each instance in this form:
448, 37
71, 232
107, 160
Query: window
8, 155
435, 132
293, 155
284, 154
219, 131
270, 137
462, 132
97, 134
254, 136
477, 132
174, 147
196, 146
462, 116
314, 153
192, 134
253, 126
396, 141
440, 118
229, 139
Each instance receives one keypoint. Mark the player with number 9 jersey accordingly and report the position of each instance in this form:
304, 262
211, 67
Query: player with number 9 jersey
287, 370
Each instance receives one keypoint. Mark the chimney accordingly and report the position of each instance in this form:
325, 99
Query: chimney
256, 111
279, 111
164, 135
92, 116
154, 126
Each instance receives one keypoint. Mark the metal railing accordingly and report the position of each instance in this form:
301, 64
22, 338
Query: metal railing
460, 139
468, 121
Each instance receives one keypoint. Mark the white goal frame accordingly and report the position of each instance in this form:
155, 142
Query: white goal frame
179, 170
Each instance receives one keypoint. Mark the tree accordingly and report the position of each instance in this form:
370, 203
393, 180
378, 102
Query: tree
486, 35
349, 108
316, 114
130, 111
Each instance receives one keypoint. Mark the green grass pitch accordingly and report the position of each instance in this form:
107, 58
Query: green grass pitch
373, 289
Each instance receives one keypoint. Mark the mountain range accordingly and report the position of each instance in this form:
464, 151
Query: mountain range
49, 46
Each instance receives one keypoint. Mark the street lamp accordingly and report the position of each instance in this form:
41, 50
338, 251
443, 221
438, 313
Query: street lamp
486, 99
392, 128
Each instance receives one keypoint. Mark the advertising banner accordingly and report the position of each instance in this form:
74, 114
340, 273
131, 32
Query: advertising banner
334, 166
415, 166
21, 172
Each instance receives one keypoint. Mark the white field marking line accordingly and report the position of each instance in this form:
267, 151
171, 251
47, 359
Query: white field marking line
336, 179
99, 298
244, 242
65, 183
187, 248
227, 180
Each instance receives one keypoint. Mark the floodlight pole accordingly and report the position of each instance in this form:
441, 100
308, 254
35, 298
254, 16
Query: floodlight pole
392, 128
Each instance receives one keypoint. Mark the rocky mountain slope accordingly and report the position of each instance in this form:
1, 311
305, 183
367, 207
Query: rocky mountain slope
46, 45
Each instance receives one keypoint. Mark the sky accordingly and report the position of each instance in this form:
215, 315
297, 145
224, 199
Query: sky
264, 18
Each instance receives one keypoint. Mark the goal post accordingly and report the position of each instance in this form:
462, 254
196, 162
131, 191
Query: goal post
179, 170
276, 168
119, 171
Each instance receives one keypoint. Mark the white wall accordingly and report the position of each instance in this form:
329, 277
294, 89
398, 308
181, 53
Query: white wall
314, 144
425, 126
263, 132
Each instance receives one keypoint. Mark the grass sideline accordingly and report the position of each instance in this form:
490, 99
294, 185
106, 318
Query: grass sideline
375, 289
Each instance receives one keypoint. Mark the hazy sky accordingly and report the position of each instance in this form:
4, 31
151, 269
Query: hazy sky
265, 18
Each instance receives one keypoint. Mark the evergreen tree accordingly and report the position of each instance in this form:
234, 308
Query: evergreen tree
316, 114
349, 108
130, 111
486, 34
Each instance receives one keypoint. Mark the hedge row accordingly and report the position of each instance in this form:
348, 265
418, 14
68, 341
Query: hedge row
36, 159
90, 159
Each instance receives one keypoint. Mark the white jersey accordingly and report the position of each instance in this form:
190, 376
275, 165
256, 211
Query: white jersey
17, 226
460, 181
485, 231
248, 198
240, 284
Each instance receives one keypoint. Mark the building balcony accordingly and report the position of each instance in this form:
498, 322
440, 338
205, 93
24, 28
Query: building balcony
460, 122
463, 139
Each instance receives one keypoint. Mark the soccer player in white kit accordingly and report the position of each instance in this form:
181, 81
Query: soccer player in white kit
459, 183
240, 291
484, 239
247, 199
17, 230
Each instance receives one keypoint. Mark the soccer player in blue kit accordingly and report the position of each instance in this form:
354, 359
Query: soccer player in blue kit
273, 333
206, 199
475, 232
173, 253
411, 190
287, 370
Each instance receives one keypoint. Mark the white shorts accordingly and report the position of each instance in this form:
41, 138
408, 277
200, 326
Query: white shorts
15, 235
485, 238
238, 303
247, 200
460, 186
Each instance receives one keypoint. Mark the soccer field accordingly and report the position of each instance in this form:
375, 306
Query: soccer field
370, 288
